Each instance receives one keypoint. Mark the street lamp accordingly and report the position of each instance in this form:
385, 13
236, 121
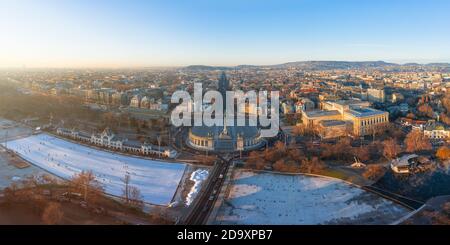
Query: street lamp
6, 140
158, 138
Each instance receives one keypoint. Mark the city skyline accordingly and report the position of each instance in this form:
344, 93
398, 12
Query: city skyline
77, 34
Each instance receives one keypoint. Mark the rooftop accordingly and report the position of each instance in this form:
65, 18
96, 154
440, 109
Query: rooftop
404, 160
364, 112
319, 113
435, 126
245, 131
349, 102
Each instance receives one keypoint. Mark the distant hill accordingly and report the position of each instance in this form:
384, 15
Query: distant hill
319, 65
411, 64
331, 65
207, 68
439, 64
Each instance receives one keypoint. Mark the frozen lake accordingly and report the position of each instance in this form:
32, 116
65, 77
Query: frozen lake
265, 198
157, 180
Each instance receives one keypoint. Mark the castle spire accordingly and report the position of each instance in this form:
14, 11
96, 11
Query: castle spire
223, 88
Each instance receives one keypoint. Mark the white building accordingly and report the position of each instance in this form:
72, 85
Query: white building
363, 118
402, 165
436, 132
108, 139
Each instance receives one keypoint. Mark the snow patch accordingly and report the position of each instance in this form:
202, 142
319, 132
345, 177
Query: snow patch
243, 190
243, 175
266, 198
156, 180
16, 178
198, 177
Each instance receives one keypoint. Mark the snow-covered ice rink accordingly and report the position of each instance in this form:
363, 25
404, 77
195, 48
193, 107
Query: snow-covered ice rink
264, 198
157, 181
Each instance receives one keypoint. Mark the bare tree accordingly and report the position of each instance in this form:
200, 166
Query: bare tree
416, 141
86, 184
362, 153
52, 214
374, 172
135, 198
313, 165
446, 102
255, 160
377, 130
206, 160
126, 190
299, 130
10, 193
131, 194
390, 148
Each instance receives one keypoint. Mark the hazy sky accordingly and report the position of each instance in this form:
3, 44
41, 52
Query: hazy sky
104, 33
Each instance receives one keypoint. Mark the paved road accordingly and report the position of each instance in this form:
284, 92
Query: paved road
204, 203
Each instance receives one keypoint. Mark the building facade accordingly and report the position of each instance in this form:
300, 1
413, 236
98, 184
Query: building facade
436, 132
367, 120
108, 139
363, 119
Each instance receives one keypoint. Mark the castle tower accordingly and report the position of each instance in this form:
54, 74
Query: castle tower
224, 86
